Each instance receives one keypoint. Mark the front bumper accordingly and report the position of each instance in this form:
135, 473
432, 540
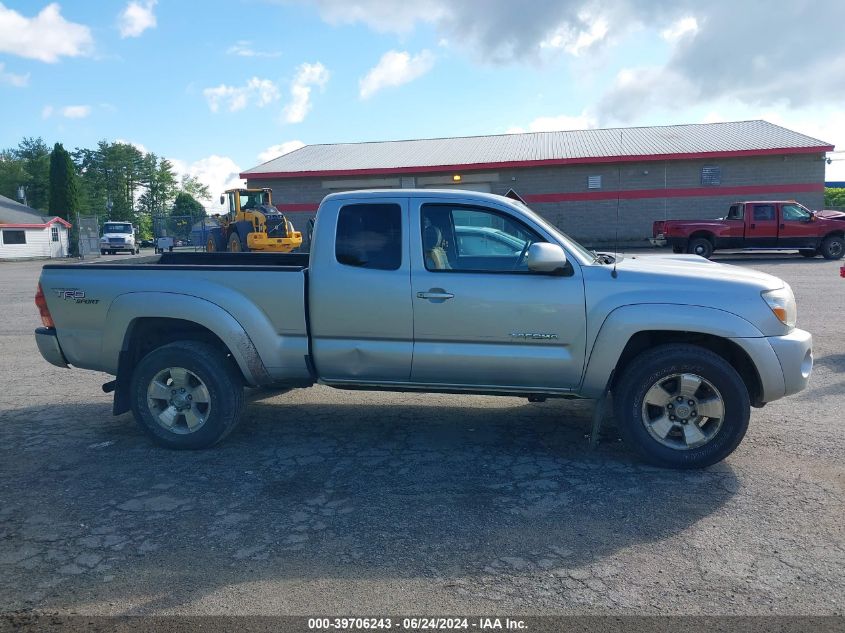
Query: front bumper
48, 345
783, 363
795, 353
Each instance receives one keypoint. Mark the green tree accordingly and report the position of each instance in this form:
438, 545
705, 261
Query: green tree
12, 174
191, 185
186, 204
160, 182
64, 190
834, 197
28, 166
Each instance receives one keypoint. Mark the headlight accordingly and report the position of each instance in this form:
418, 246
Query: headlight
782, 304
104, 239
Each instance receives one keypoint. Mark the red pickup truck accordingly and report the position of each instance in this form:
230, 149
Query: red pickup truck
759, 224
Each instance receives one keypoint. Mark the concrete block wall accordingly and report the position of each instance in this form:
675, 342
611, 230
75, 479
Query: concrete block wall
594, 221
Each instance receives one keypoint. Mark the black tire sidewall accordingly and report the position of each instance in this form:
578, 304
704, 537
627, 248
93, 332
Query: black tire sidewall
703, 241
825, 249
211, 366
646, 370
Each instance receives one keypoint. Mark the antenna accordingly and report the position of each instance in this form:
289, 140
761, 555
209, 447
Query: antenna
613, 272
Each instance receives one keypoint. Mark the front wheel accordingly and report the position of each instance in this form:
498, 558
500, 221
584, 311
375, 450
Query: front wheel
701, 246
187, 395
833, 247
681, 406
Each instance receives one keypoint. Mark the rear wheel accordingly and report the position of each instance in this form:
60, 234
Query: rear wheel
187, 395
682, 406
701, 246
833, 247
808, 252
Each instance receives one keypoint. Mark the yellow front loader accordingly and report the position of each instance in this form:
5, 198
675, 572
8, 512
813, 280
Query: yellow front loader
252, 223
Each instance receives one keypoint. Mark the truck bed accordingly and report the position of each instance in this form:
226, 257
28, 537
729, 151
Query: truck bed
186, 261
94, 304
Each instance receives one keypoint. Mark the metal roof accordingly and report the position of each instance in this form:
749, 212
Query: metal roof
12, 212
538, 148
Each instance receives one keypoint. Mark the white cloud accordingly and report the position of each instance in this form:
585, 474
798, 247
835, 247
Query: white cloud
218, 173
682, 28
382, 15
307, 76
76, 111
139, 146
261, 92
136, 18
244, 48
583, 121
394, 69
68, 112
13, 79
274, 151
576, 39
45, 37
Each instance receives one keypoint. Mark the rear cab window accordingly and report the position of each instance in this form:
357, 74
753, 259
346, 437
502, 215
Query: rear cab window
369, 236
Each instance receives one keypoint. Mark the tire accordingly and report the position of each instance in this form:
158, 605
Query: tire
102, 251
833, 247
677, 250
701, 246
211, 245
203, 371
699, 442
236, 245
808, 252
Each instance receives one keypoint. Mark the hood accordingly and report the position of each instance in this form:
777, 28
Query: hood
692, 269
830, 214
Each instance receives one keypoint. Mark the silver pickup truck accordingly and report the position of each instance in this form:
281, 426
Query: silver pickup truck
437, 291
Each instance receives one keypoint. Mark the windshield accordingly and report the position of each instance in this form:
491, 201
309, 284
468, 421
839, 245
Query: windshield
251, 199
117, 227
567, 241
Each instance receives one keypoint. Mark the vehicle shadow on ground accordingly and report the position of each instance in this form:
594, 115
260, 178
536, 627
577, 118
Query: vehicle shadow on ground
335, 490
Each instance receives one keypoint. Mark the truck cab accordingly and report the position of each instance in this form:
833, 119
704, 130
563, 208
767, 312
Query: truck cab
119, 236
758, 224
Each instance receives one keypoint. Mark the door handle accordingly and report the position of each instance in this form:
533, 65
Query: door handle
783, 226
753, 226
432, 294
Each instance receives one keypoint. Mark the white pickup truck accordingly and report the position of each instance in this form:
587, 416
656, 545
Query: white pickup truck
438, 291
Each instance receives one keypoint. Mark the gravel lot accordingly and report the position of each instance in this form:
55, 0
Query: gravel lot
328, 502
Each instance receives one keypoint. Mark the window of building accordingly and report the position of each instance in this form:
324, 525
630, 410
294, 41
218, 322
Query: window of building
794, 213
14, 237
369, 236
54, 233
468, 239
764, 213
711, 175
593, 182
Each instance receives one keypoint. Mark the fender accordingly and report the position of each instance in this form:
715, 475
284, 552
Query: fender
128, 307
623, 322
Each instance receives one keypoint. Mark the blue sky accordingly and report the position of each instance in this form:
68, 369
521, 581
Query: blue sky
219, 86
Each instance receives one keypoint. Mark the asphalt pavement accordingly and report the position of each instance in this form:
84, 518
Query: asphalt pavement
328, 502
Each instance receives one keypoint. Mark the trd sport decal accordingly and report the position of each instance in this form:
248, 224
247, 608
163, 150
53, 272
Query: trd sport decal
74, 294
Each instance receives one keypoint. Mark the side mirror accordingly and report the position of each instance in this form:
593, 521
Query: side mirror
546, 258
813, 216
222, 199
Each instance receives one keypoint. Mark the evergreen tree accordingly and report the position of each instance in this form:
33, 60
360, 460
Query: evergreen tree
64, 189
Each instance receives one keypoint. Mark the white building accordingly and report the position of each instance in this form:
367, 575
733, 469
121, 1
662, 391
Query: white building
26, 234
